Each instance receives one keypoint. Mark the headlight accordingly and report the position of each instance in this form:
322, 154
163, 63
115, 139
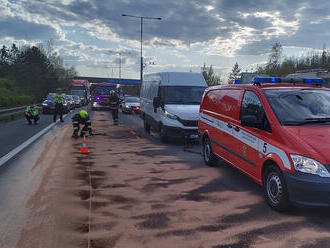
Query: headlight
309, 165
171, 116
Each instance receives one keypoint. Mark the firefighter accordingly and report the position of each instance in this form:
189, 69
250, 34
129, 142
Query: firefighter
114, 106
59, 100
32, 113
83, 119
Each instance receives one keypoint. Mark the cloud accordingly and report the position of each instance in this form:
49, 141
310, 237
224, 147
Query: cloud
191, 31
21, 29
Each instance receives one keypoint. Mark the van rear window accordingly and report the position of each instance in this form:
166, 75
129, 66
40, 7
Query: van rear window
225, 102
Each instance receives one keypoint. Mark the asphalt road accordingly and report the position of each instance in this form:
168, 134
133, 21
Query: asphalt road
14, 133
145, 194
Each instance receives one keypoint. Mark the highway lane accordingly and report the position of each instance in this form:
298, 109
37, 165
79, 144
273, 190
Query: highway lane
14, 133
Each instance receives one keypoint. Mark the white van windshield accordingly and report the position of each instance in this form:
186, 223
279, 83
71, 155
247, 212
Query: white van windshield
182, 94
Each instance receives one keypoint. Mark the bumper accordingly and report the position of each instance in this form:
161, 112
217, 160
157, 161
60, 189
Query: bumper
131, 110
96, 105
177, 132
308, 190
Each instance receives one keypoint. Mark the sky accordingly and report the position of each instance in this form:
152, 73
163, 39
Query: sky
94, 37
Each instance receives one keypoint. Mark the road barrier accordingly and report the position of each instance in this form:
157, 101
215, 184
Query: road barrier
12, 111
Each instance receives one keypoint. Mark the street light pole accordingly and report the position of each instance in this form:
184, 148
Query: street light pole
119, 65
141, 38
141, 55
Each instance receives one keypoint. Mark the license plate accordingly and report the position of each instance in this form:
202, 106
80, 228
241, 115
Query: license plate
193, 136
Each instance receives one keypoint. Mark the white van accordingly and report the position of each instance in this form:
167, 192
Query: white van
170, 103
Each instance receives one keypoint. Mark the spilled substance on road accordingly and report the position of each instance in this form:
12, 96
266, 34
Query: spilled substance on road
133, 192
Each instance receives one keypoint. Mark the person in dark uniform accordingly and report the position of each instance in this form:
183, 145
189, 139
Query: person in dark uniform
78, 119
114, 105
59, 100
32, 113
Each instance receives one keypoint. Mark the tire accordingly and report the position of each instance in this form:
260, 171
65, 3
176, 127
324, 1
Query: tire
275, 189
210, 159
163, 135
146, 126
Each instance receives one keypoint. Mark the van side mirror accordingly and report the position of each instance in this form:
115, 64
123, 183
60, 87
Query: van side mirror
156, 102
251, 121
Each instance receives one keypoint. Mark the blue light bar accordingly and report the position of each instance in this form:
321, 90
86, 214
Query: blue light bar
237, 81
266, 80
287, 80
313, 80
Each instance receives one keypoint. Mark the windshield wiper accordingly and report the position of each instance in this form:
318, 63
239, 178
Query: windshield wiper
314, 120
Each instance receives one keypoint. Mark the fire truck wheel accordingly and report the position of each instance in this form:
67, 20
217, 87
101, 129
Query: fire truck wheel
275, 189
210, 158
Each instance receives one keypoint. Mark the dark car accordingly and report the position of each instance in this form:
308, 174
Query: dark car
78, 101
130, 104
48, 105
71, 102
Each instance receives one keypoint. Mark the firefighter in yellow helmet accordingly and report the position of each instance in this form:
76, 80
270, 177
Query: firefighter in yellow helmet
81, 118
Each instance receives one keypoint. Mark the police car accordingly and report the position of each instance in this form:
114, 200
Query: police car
276, 131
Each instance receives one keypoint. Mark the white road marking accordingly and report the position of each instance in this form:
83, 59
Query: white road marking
4, 159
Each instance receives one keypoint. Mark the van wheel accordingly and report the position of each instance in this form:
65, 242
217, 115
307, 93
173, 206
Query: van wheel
163, 135
146, 126
275, 189
210, 158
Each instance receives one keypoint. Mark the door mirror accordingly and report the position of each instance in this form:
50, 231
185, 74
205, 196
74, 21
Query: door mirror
251, 121
156, 102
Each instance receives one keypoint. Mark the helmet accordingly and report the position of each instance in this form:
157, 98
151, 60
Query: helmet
112, 92
83, 114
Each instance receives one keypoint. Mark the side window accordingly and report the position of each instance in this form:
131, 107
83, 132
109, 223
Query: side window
251, 105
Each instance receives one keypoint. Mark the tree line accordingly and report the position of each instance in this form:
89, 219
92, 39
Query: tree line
277, 65
28, 73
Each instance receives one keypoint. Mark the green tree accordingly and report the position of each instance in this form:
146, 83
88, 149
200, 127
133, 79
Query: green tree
234, 74
209, 75
274, 59
33, 71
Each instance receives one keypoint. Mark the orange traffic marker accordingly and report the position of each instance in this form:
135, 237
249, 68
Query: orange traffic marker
84, 148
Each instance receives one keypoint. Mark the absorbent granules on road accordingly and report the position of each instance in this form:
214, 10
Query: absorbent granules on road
132, 191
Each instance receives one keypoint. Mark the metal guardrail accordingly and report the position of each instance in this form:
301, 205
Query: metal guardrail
11, 111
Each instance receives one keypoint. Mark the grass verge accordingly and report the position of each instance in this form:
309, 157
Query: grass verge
12, 117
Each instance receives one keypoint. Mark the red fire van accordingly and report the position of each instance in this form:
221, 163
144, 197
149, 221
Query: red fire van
276, 131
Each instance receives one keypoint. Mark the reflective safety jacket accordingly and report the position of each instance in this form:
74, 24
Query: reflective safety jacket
77, 119
58, 98
114, 102
32, 110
